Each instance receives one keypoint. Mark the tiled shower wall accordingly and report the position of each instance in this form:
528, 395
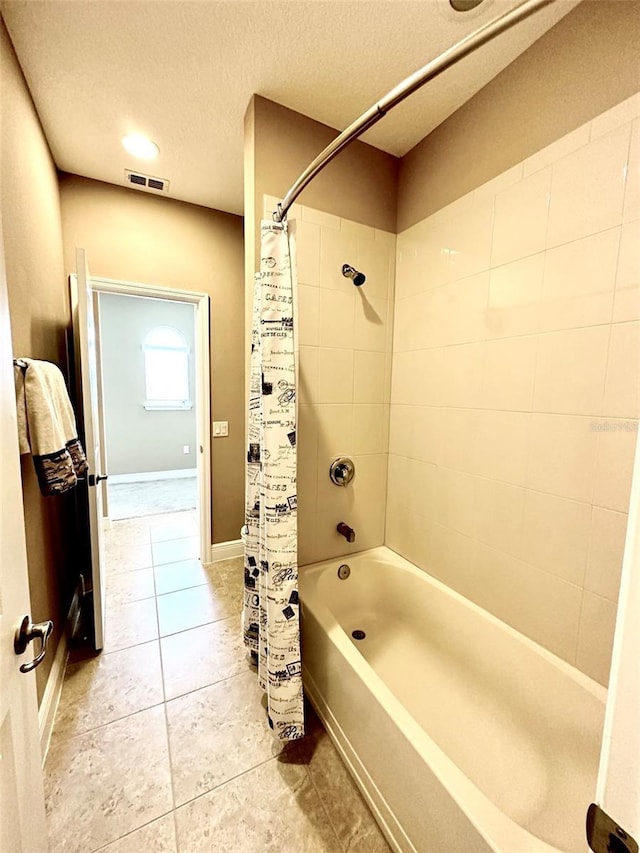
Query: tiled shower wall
344, 379
515, 389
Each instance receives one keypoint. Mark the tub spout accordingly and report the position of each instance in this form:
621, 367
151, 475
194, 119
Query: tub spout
346, 531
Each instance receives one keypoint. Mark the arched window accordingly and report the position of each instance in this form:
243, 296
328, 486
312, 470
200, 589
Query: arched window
166, 369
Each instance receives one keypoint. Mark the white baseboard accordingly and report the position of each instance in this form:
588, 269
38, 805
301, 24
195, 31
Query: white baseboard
145, 476
226, 550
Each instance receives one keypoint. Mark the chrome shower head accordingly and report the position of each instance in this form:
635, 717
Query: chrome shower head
358, 278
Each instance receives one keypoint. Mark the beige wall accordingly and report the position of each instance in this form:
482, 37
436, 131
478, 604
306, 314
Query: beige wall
135, 236
39, 307
516, 388
584, 65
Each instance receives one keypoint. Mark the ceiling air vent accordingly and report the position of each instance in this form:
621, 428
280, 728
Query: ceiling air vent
146, 182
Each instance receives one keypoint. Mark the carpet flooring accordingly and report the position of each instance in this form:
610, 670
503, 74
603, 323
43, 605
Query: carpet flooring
132, 500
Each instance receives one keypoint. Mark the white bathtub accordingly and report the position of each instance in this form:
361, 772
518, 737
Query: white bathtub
462, 734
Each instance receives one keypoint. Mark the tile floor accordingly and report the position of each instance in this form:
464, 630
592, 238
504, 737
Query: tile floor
160, 743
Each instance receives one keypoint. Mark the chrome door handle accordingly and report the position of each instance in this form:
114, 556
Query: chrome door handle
27, 633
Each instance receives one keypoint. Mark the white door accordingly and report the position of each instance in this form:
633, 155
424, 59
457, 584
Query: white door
22, 820
85, 333
618, 789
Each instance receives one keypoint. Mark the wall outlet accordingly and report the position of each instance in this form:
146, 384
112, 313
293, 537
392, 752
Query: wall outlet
220, 429
186, 449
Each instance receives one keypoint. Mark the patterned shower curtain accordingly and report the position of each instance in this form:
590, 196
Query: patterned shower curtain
271, 610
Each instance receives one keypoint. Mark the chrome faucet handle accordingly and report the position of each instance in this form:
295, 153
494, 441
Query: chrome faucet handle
342, 471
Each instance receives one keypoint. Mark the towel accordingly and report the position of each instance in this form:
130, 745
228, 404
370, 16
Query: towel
47, 426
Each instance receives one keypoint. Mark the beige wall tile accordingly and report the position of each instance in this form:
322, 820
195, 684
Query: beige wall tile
508, 373
514, 298
587, 189
308, 253
625, 112
540, 605
463, 313
377, 261
555, 535
427, 377
370, 428
622, 390
308, 375
337, 248
461, 371
335, 429
371, 323
561, 456
309, 315
632, 188
449, 557
570, 371
425, 434
627, 293
456, 500
606, 549
335, 375
500, 446
470, 249
369, 377
498, 514
614, 463
336, 318
520, 218
319, 217
578, 284
595, 638
457, 449
558, 149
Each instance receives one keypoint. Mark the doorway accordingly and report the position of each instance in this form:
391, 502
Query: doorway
148, 383
153, 365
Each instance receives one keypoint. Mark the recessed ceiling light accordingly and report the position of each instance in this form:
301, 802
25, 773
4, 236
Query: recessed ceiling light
140, 146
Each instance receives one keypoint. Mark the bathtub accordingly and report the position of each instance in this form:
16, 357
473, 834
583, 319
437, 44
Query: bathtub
462, 734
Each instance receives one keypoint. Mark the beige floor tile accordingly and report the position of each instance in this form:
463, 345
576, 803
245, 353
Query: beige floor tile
174, 527
108, 782
202, 656
217, 733
232, 572
127, 557
272, 808
352, 821
156, 837
124, 587
171, 577
188, 608
175, 550
108, 687
131, 624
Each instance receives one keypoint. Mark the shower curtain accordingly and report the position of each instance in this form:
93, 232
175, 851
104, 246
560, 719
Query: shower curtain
271, 611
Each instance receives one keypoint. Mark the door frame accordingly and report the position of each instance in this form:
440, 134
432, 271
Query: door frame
203, 385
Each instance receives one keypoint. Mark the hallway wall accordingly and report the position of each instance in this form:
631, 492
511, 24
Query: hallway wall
135, 236
39, 307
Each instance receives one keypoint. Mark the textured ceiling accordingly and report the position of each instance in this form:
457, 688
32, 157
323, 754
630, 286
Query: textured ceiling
183, 73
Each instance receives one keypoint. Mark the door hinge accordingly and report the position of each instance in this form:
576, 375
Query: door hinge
605, 836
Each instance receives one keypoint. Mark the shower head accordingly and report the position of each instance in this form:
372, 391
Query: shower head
358, 278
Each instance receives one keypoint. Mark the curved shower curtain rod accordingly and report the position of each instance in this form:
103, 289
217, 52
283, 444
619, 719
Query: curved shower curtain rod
418, 79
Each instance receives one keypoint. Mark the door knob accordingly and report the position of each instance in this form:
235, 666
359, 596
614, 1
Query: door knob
93, 480
27, 633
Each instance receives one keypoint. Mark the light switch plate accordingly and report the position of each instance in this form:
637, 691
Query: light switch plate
220, 429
